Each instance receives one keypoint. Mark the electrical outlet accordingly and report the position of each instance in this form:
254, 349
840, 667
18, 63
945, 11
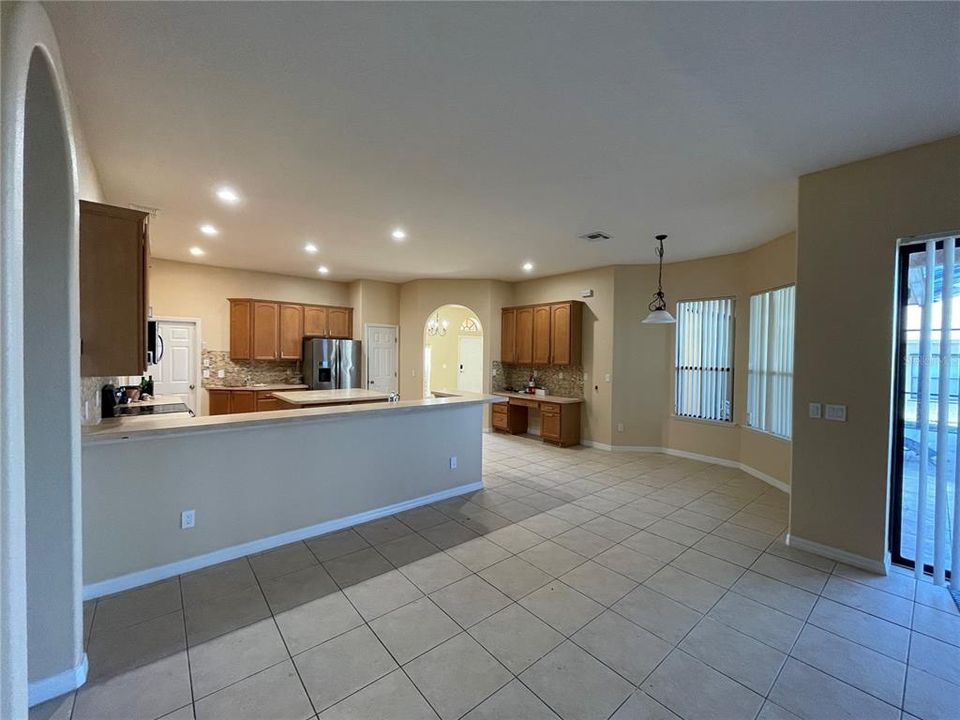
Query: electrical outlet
619, 427
206, 362
206, 374
606, 378
221, 374
188, 519
837, 413
816, 410
453, 462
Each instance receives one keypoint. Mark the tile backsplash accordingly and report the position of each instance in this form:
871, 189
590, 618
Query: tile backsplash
563, 380
247, 372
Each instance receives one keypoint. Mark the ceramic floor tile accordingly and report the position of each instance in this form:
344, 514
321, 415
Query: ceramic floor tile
546, 525
868, 630
935, 657
282, 560
790, 572
389, 698
515, 577
421, 518
379, 595
685, 588
634, 565
657, 613
149, 691
763, 623
383, 530
357, 566
598, 582
478, 554
813, 695
343, 665
562, 607
641, 706
211, 582
516, 637
929, 697
515, 538
719, 572
512, 702
623, 646
470, 600
275, 693
334, 545
315, 622
235, 656
59, 708
552, 558
876, 602
683, 534
117, 650
696, 691
413, 629
298, 588
773, 593
136, 606
608, 527
448, 534
895, 583
457, 676
407, 549
583, 542
936, 624
734, 654
654, 545
223, 614
576, 685
434, 572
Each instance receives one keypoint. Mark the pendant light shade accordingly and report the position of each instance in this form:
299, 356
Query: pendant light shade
658, 307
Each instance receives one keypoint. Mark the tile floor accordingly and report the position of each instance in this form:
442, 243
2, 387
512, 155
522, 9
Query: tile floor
577, 584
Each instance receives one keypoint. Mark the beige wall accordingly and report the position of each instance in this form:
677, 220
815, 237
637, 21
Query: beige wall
598, 338
849, 221
189, 290
445, 349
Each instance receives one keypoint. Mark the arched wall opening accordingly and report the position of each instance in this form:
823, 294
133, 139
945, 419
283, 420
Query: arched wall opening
453, 351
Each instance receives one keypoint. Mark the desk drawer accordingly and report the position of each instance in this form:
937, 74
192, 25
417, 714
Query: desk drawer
500, 409
523, 402
550, 408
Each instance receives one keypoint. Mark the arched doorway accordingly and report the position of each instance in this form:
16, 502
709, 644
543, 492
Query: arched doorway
40, 550
452, 351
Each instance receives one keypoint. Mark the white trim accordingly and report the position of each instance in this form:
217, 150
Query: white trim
769, 479
161, 572
366, 343
56, 685
880, 567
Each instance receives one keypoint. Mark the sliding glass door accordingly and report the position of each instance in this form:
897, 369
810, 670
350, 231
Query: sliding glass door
925, 516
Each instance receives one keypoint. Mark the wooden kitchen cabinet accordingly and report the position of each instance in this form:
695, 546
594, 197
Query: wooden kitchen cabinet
508, 336
560, 423
266, 330
224, 401
291, 332
315, 320
340, 322
524, 336
219, 402
541, 335
243, 401
241, 329
548, 334
114, 252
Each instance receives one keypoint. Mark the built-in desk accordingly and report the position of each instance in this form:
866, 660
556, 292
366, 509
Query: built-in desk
559, 416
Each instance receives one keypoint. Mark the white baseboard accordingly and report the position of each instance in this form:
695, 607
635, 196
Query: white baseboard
162, 572
880, 567
769, 479
56, 685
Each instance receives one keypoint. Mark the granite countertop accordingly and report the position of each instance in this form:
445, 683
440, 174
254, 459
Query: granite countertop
325, 397
539, 398
274, 386
116, 429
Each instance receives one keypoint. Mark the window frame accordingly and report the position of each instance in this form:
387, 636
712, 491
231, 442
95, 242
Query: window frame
731, 381
746, 416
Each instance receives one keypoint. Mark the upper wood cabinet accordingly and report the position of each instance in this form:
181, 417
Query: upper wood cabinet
291, 331
508, 336
314, 320
114, 250
546, 334
270, 330
524, 336
541, 335
340, 322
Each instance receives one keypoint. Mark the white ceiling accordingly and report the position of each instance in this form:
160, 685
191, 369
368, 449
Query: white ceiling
494, 133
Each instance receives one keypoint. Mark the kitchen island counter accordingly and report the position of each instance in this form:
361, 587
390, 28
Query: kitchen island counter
319, 398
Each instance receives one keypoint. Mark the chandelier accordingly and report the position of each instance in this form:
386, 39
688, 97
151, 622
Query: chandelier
659, 315
436, 326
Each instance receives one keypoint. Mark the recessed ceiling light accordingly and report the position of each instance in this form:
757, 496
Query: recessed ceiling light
399, 234
310, 248
208, 229
528, 266
197, 252
323, 269
228, 195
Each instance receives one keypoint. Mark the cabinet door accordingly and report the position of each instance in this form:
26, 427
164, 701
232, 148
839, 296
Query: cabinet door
243, 401
219, 402
340, 322
266, 330
241, 325
550, 425
291, 332
268, 403
560, 334
508, 336
524, 335
541, 335
314, 320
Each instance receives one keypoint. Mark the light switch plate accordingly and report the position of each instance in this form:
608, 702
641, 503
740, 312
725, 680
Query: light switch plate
837, 413
206, 374
221, 374
188, 519
453, 462
816, 410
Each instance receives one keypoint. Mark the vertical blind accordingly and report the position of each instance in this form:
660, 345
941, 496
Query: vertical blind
933, 408
704, 363
770, 368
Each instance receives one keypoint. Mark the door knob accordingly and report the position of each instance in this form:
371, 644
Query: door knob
193, 387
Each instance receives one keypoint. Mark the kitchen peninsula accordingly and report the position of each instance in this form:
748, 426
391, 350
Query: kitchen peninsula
258, 480
322, 398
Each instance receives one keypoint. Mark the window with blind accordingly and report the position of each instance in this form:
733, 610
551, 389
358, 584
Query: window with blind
704, 362
770, 365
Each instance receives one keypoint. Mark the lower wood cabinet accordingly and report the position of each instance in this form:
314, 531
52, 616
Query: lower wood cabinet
227, 401
559, 422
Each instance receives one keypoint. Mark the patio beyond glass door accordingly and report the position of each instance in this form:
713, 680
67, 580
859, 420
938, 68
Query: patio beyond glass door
925, 515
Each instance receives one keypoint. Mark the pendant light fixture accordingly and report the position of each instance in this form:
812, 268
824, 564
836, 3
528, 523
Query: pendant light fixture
658, 307
436, 326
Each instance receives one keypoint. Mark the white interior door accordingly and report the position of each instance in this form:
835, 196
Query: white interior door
382, 358
176, 373
470, 369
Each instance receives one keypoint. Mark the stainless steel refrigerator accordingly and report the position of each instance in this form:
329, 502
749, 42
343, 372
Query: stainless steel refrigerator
331, 364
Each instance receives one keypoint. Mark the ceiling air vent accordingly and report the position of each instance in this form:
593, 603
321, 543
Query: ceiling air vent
595, 236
